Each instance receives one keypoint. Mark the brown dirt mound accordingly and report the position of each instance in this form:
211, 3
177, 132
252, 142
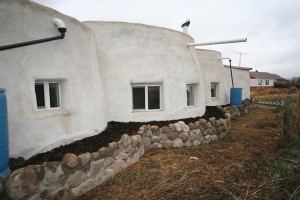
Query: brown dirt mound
113, 132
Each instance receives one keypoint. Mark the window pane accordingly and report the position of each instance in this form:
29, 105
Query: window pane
213, 90
138, 97
190, 95
54, 95
153, 97
40, 95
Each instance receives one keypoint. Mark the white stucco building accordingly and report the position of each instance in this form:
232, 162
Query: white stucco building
67, 89
217, 79
136, 58
241, 79
75, 106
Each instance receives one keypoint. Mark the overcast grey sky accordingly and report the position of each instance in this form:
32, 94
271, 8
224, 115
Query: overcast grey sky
271, 26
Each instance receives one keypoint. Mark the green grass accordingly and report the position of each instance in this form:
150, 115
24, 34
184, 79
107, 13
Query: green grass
126, 176
196, 150
170, 161
227, 138
178, 150
282, 182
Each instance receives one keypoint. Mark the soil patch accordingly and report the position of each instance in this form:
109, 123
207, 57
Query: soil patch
113, 132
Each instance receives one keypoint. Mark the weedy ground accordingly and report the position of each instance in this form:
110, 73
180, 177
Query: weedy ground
252, 162
273, 94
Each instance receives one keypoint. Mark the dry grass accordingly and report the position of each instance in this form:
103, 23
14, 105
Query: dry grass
273, 94
262, 91
238, 167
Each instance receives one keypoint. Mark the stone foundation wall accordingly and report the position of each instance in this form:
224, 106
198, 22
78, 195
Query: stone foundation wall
75, 175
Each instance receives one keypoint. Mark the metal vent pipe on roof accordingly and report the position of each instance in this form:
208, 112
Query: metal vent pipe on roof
185, 26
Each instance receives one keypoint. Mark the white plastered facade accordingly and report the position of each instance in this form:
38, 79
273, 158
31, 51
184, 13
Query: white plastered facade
241, 79
71, 61
215, 72
132, 54
96, 64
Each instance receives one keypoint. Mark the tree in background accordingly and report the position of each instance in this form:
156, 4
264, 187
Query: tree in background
295, 81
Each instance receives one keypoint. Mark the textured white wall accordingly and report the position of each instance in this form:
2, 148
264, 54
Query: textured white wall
241, 79
72, 60
135, 53
214, 71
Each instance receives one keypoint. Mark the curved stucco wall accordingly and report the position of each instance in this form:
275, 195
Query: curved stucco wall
214, 72
140, 54
241, 79
72, 61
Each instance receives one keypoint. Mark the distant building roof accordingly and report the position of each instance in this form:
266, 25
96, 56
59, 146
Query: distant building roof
265, 75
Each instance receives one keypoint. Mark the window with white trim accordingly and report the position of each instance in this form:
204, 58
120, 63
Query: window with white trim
267, 82
190, 93
214, 89
47, 94
146, 97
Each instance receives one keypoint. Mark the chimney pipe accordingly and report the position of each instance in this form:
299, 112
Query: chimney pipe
185, 26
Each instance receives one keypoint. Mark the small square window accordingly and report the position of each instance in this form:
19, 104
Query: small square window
213, 90
47, 94
146, 97
190, 93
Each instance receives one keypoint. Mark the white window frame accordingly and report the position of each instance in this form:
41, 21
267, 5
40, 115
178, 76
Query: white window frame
193, 90
47, 94
216, 89
146, 97
267, 82
260, 82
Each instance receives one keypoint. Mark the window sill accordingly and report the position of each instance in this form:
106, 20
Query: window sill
48, 109
153, 110
195, 107
137, 112
44, 113
192, 106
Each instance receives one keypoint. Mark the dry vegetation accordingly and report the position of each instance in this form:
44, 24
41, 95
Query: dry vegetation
247, 164
273, 94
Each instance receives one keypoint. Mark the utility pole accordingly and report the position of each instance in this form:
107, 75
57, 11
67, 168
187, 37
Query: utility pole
240, 60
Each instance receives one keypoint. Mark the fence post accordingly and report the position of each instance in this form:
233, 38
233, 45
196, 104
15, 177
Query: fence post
286, 116
298, 115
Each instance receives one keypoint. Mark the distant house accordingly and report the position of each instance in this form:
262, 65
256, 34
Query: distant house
264, 79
